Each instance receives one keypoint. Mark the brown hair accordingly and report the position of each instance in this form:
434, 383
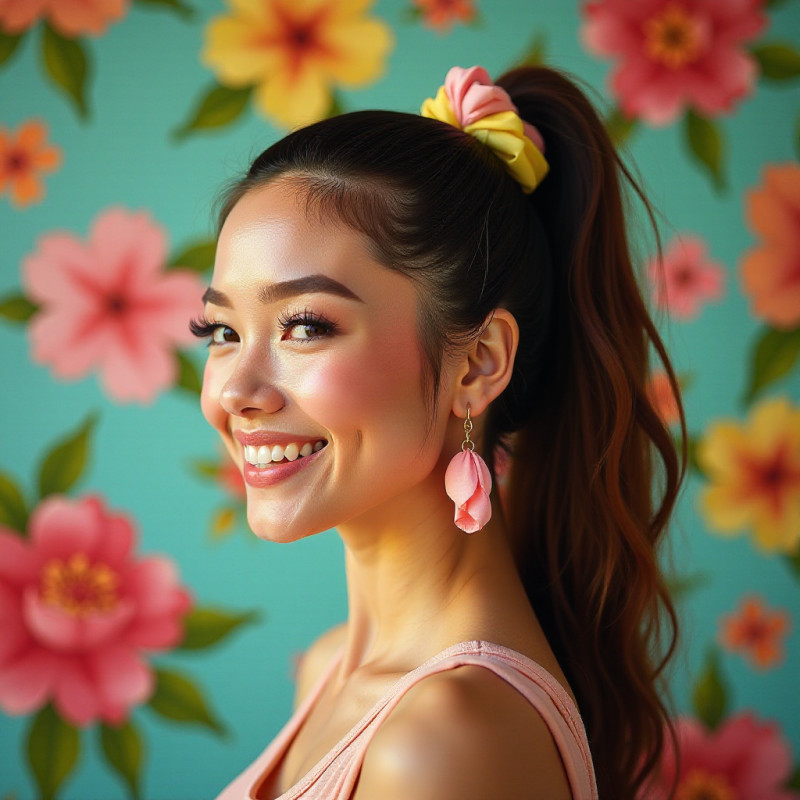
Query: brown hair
438, 206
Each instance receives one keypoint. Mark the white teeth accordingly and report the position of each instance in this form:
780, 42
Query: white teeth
264, 455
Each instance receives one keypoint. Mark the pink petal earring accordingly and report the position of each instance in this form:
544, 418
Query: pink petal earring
468, 483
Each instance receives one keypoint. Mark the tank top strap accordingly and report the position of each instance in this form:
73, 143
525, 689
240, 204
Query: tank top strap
534, 682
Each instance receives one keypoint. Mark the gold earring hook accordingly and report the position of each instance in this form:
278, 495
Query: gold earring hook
467, 444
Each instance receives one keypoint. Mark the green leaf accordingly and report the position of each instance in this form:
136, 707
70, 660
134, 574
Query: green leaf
124, 751
218, 107
205, 469
774, 355
691, 453
177, 698
534, 55
773, 4
619, 127
53, 750
208, 626
680, 586
17, 308
794, 564
178, 6
794, 781
198, 257
707, 146
13, 512
63, 466
779, 61
67, 65
709, 694
336, 107
189, 378
9, 42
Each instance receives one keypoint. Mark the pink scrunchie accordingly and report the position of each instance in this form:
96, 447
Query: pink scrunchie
473, 96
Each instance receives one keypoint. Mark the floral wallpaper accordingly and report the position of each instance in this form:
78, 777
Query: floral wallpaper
147, 639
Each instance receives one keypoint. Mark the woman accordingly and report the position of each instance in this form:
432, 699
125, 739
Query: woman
398, 300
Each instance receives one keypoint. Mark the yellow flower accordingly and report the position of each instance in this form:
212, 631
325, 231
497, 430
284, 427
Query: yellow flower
754, 471
293, 51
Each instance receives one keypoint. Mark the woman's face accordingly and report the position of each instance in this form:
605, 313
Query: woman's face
314, 348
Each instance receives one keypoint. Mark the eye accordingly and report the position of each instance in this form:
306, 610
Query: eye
305, 326
222, 334
215, 332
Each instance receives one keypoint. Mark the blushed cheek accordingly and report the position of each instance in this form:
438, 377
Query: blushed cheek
209, 399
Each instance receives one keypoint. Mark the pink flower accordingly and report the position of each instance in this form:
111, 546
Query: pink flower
106, 305
676, 54
76, 610
468, 483
742, 759
771, 272
685, 278
660, 394
70, 17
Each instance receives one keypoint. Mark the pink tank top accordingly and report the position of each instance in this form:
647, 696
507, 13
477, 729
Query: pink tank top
334, 777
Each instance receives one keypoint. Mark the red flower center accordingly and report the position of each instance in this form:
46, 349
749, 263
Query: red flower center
78, 587
702, 785
673, 38
683, 276
774, 477
17, 162
116, 304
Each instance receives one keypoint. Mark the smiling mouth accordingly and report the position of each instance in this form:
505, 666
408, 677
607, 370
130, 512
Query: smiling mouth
264, 456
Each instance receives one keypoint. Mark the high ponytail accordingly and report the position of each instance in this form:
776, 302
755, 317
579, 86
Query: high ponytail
439, 207
584, 529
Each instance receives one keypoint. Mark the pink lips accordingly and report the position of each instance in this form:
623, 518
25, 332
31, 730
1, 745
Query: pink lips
260, 478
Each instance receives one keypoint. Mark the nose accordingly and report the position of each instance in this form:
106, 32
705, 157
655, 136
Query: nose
249, 390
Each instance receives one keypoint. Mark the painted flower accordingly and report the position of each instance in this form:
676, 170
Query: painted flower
231, 480
685, 278
676, 54
107, 305
660, 394
754, 474
741, 759
78, 612
441, 14
467, 482
771, 272
295, 52
756, 632
24, 157
70, 17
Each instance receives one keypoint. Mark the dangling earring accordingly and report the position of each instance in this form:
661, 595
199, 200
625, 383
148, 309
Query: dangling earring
468, 483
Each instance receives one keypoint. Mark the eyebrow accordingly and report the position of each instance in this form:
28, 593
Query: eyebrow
272, 292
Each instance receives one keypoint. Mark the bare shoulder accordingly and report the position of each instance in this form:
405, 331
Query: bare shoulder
316, 658
463, 734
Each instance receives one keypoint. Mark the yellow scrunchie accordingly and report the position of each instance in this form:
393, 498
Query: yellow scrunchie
503, 132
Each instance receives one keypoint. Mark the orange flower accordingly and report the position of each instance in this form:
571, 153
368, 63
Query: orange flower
771, 272
756, 632
294, 51
22, 158
660, 394
754, 470
70, 17
441, 14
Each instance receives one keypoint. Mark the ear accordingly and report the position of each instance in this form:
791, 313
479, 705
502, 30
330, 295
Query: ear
488, 364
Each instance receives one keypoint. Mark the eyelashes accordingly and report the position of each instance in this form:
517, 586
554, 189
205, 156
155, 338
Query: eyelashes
306, 320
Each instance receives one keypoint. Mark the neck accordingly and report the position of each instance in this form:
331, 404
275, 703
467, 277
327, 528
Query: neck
417, 584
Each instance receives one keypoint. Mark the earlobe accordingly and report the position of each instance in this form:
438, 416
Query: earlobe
490, 363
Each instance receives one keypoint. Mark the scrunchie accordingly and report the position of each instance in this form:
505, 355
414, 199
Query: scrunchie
470, 101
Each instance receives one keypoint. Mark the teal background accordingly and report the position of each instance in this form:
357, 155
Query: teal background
147, 75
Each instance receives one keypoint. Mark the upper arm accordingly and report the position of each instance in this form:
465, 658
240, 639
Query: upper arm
315, 659
467, 736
